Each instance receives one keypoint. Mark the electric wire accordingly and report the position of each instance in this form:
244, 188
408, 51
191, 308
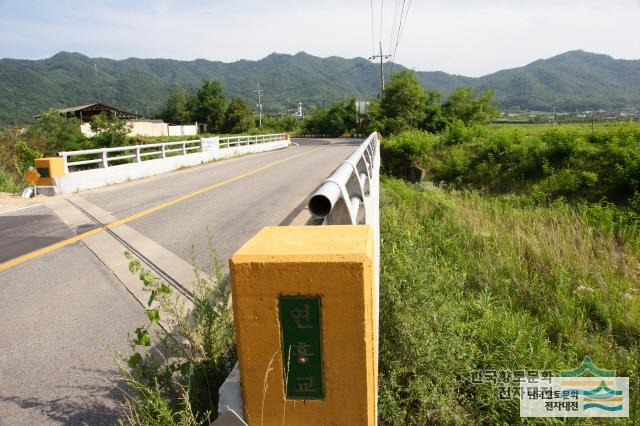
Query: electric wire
401, 25
393, 25
373, 39
393, 56
381, 15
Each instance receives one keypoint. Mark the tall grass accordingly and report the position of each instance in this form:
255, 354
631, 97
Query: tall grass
471, 282
9, 183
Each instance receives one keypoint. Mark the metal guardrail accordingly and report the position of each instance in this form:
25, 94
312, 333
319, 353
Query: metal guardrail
340, 200
138, 153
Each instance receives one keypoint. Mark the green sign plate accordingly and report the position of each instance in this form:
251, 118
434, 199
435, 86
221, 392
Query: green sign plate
43, 171
300, 325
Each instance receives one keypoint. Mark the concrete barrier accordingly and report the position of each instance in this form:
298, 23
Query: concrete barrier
97, 178
304, 315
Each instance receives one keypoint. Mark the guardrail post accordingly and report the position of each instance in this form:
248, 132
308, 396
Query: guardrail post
105, 160
65, 165
138, 158
163, 151
184, 148
304, 315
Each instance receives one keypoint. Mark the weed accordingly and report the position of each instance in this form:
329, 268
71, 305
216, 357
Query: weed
470, 281
174, 377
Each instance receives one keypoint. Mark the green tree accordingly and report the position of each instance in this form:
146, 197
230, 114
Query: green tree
176, 109
59, 132
109, 130
337, 120
470, 105
238, 118
209, 105
434, 121
404, 100
288, 123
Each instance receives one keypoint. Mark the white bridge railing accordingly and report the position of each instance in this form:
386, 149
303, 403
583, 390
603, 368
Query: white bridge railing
138, 153
349, 196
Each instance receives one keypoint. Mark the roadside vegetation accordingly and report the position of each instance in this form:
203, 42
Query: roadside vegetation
473, 281
52, 132
503, 248
179, 360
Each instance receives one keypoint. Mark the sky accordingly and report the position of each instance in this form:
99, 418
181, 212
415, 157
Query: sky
466, 37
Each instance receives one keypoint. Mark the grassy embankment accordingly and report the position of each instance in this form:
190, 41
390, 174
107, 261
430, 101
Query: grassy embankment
507, 276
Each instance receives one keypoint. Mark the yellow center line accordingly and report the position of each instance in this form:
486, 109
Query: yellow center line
63, 243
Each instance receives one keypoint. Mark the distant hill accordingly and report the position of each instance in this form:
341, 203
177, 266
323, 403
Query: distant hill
572, 80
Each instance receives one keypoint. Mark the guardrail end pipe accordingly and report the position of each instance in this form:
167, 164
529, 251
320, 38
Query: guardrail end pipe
303, 302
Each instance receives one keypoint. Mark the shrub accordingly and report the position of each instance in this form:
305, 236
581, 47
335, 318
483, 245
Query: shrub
23, 157
411, 145
561, 143
458, 133
569, 182
177, 381
110, 131
8, 183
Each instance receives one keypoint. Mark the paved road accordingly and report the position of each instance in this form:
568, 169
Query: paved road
65, 313
29, 229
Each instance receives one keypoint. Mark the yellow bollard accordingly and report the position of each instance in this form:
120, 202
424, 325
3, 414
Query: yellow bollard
303, 308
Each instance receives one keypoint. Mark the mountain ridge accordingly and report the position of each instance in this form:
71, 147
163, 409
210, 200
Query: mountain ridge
571, 80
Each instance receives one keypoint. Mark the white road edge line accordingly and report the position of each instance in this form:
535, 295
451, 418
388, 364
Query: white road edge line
22, 208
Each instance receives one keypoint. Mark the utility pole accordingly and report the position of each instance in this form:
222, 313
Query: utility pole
259, 92
382, 58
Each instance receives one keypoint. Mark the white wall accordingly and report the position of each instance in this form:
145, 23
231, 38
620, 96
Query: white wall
138, 128
148, 128
97, 178
188, 130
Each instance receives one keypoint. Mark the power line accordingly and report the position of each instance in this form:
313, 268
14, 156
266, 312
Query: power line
373, 41
395, 49
404, 24
393, 25
381, 14
401, 26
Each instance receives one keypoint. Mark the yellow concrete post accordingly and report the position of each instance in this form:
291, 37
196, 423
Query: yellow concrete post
303, 308
49, 168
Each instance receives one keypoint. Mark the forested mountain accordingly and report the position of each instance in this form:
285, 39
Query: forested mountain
572, 80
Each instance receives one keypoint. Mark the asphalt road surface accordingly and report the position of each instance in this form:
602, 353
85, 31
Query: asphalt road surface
66, 310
